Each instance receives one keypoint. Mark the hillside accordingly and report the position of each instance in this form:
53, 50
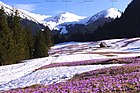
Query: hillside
30, 20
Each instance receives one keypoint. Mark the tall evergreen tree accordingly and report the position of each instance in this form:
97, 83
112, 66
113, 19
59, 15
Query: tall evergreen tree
40, 48
48, 37
29, 42
19, 37
1, 52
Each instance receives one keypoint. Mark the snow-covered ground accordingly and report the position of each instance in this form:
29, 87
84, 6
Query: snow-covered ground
117, 47
46, 76
25, 74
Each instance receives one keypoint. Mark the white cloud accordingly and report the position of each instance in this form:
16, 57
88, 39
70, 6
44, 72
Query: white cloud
27, 7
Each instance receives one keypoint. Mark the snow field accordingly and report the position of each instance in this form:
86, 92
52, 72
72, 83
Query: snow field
48, 76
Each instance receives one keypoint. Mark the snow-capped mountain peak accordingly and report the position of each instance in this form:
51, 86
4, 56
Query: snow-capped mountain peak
64, 17
113, 13
61, 18
109, 13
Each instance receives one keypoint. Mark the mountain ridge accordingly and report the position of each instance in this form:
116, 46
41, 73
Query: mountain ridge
64, 18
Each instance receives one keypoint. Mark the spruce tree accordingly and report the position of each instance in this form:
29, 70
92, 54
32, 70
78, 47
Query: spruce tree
1, 52
19, 37
29, 43
40, 48
48, 37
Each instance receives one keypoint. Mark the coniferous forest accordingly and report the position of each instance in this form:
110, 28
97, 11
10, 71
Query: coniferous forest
19, 43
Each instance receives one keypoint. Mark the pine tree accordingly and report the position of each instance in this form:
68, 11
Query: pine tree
1, 52
40, 48
19, 37
29, 42
11, 21
48, 37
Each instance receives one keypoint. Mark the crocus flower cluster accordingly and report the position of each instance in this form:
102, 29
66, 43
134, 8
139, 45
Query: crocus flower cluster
94, 62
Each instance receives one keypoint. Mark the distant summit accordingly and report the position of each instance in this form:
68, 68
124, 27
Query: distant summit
127, 26
61, 18
109, 13
65, 17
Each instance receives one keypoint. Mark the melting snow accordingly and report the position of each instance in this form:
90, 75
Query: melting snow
47, 76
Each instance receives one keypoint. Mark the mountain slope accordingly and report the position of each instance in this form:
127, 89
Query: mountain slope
38, 18
109, 13
30, 20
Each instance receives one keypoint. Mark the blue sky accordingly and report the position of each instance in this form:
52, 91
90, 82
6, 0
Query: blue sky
79, 7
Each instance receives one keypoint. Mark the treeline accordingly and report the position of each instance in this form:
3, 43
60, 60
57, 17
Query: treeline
19, 43
80, 34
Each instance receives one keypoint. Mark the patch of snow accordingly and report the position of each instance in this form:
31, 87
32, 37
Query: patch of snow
21, 69
84, 21
40, 18
63, 29
116, 45
48, 76
60, 45
79, 57
113, 13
